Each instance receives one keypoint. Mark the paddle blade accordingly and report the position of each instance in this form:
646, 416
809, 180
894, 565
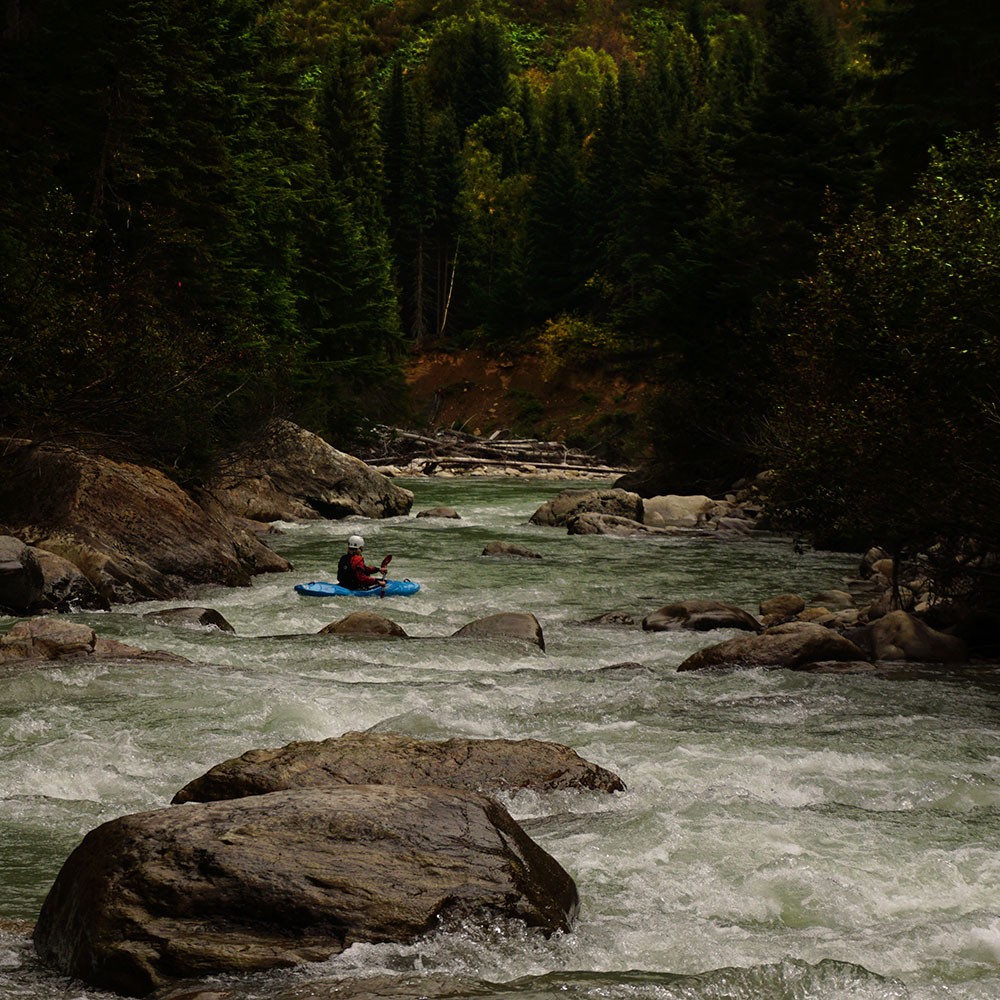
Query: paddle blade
386, 561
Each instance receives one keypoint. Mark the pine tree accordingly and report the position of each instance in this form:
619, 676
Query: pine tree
938, 72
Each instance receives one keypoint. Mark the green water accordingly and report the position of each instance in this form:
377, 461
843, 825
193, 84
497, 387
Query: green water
783, 834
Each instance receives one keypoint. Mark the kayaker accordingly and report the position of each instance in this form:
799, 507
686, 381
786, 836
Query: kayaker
352, 572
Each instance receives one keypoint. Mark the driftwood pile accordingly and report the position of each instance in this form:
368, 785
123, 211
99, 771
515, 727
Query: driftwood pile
452, 450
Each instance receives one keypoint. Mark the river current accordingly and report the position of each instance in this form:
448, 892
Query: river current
784, 836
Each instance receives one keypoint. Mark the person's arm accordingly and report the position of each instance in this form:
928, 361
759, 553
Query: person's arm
360, 571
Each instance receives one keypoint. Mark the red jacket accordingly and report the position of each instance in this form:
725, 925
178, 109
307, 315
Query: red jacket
357, 575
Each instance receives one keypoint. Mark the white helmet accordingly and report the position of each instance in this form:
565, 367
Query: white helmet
355, 542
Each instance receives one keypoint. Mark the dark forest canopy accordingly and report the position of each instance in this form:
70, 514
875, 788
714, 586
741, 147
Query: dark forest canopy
213, 214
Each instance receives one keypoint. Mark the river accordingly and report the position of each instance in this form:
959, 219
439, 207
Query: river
783, 835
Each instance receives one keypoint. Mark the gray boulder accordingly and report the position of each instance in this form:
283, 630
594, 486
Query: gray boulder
593, 523
448, 513
289, 474
558, 511
699, 616
66, 587
505, 625
487, 766
790, 645
364, 623
291, 877
22, 585
189, 618
900, 636
673, 511
41, 639
782, 606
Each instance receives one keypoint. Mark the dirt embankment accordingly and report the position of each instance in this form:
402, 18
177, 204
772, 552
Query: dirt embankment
593, 408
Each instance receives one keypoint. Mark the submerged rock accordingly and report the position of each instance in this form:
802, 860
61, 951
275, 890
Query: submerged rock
509, 549
190, 618
394, 759
287, 878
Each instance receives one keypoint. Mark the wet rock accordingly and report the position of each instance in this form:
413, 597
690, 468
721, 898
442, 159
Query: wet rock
134, 533
444, 512
835, 600
612, 619
287, 878
628, 668
364, 623
900, 636
788, 645
783, 606
509, 549
487, 766
22, 586
65, 586
41, 639
590, 523
190, 618
838, 667
558, 511
699, 616
505, 625
289, 474
673, 511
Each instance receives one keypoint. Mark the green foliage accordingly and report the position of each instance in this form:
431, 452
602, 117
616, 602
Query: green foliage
885, 431
573, 342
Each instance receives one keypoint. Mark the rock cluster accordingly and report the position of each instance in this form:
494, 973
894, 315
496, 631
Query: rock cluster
293, 854
621, 512
79, 531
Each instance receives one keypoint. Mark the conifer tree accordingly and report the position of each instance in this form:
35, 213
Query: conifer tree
937, 66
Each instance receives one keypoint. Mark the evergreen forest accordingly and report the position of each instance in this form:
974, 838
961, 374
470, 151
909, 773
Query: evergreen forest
785, 214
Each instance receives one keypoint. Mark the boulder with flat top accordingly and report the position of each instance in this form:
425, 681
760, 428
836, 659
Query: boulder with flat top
368, 758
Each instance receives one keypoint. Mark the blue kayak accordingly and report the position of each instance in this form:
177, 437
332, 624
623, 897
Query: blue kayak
393, 588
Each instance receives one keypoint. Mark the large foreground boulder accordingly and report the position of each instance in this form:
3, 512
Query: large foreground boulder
790, 645
289, 474
134, 533
286, 878
394, 759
